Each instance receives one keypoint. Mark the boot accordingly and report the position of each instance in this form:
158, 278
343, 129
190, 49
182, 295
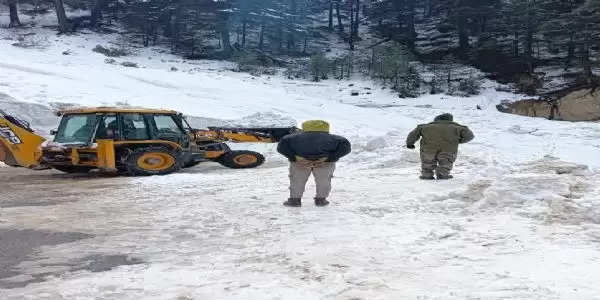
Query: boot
444, 177
321, 202
293, 202
426, 177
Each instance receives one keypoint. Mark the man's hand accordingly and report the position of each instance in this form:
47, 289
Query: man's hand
410, 146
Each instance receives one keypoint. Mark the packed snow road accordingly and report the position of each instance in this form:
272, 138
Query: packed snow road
212, 233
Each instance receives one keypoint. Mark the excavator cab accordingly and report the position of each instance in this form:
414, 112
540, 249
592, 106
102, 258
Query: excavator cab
128, 141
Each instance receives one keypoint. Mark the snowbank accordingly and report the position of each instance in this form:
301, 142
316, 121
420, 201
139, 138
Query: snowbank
520, 219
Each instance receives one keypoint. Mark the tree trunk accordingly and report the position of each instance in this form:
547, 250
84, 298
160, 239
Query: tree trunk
351, 3
223, 8
244, 25
410, 25
291, 42
372, 63
529, 43
516, 45
339, 16
356, 18
570, 51
97, 11
587, 65
63, 22
280, 40
261, 37
529, 38
154, 35
166, 24
351, 35
14, 14
429, 8
330, 14
483, 21
224, 31
305, 45
463, 36
350, 61
226, 43
176, 25
398, 8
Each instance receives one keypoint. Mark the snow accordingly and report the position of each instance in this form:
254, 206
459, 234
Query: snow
519, 221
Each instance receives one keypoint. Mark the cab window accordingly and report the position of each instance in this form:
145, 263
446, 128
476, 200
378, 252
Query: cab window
166, 125
134, 127
108, 128
76, 128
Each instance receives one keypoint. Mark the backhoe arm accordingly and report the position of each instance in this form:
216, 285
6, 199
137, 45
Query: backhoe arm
242, 135
19, 145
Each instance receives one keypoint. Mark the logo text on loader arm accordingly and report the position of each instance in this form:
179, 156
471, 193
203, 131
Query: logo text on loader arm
7, 133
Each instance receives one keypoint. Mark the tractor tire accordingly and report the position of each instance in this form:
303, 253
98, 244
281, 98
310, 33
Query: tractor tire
241, 159
73, 169
154, 160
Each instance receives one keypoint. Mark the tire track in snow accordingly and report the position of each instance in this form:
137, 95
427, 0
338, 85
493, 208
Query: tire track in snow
33, 71
153, 82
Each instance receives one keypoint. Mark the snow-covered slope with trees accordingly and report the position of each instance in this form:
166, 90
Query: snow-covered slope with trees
520, 221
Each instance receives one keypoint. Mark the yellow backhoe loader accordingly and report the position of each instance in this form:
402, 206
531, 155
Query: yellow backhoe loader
129, 141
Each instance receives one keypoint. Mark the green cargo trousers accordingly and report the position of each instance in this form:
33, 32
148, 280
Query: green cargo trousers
300, 172
440, 163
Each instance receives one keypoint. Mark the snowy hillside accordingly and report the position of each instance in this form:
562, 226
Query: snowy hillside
520, 221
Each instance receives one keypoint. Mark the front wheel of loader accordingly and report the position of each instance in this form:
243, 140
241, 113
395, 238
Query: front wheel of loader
241, 159
153, 160
73, 169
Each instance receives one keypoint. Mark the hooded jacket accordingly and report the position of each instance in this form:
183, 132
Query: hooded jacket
441, 135
314, 143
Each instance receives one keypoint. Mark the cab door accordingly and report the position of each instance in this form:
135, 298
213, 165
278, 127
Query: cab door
108, 128
165, 127
134, 127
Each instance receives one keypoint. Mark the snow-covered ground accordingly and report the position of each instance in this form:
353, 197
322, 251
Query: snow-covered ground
520, 221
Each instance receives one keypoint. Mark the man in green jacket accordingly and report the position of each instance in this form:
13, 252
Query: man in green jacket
439, 145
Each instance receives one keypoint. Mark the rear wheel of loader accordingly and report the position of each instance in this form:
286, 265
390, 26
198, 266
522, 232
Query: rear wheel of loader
73, 169
153, 161
241, 159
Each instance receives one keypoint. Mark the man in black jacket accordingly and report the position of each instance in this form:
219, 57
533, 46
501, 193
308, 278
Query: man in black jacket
312, 151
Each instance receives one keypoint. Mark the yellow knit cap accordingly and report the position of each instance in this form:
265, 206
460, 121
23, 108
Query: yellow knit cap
315, 125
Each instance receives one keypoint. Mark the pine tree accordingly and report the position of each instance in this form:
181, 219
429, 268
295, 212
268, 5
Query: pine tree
144, 16
400, 15
574, 26
96, 14
470, 18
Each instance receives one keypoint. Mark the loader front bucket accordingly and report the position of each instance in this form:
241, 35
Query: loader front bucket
19, 145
